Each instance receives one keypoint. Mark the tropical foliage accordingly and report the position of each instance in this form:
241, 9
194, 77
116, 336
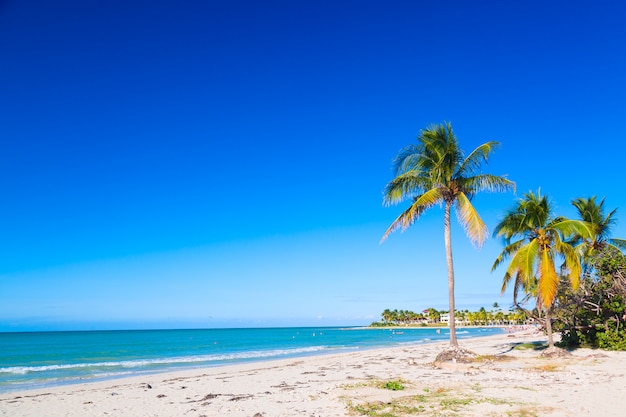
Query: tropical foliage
435, 171
591, 310
594, 315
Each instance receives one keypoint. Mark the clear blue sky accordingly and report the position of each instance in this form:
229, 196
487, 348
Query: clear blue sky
221, 163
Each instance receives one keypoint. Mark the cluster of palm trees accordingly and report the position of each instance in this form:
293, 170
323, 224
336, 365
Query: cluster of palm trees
540, 247
482, 317
408, 317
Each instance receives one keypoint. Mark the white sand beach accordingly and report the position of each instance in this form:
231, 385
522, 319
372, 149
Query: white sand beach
506, 382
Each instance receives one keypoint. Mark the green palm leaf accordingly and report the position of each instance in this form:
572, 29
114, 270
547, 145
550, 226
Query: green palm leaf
415, 210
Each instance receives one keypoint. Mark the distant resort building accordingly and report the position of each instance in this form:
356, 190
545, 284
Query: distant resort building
445, 318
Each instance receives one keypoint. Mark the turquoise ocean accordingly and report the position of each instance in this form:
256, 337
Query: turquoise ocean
42, 359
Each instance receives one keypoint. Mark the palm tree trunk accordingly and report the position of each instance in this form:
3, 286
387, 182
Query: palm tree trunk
549, 328
448, 243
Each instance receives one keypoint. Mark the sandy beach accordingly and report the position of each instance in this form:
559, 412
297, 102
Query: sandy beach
511, 379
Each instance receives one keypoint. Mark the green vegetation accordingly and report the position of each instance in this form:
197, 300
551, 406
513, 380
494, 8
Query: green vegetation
594, 316
528, 346
433, 171
394, 385
534, 238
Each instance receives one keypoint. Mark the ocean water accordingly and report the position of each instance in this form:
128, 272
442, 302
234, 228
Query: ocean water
41, 359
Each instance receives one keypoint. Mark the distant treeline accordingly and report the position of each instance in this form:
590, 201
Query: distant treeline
432, 316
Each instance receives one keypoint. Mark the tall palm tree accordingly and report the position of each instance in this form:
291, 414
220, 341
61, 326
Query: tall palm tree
534, 239
435, 171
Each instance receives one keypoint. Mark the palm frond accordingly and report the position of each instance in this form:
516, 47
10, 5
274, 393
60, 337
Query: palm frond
516, 265
474, 226
506, 253
415, 210
573, 228
513, 224
528, 258
618, 243
582, 249
430, 197
488, 182
548, 279
572, 263
476, 158
403, 187
408, 159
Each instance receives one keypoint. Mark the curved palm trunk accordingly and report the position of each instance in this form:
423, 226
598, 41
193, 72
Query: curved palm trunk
448, 243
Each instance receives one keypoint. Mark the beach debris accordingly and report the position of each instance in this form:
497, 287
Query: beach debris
241, 397
555, 352
456, 355
258, 415
161, 396
284, 386
148, 386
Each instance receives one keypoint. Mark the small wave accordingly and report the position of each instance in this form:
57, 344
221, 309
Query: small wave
143, 363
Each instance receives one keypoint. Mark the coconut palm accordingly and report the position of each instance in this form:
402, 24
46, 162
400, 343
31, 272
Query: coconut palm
435, 171
534, 239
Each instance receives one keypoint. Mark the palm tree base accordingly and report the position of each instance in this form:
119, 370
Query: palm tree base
555, 352
456, 355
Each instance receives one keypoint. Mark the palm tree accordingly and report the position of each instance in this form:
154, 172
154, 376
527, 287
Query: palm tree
435, 171
534, 239
433, 315
461, 315
593, 213
483, 316
386, 315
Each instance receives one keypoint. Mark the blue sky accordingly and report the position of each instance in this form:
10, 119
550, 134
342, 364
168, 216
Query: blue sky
210, 164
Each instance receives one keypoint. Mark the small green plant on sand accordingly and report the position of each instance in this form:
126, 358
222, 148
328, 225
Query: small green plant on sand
394, 385
527, 346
